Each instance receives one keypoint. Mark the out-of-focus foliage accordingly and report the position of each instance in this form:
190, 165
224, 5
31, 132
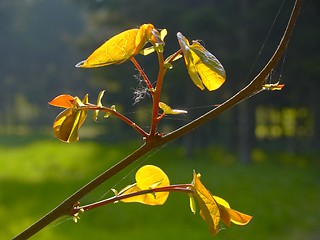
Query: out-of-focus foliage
40, 48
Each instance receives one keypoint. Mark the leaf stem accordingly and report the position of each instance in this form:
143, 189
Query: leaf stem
257, 83
157, 95
128, 121
171, 188
143, 74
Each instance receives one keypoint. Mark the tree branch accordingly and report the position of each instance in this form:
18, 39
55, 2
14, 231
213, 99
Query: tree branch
253, 87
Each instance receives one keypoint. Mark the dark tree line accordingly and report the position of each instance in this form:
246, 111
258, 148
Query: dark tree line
40, 42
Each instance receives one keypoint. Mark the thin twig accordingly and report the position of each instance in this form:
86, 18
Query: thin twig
67, 206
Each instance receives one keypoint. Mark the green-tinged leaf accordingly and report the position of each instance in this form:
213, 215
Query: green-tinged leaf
113, 108
119, 48
192, 202
148, 177
163, 34
147, 51
168, 110
204, 68
208, 67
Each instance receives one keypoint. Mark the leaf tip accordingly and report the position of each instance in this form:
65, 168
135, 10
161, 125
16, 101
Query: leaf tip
80, 64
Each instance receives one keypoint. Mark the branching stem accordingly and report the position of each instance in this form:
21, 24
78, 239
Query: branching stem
120, 116
254, 86
172, 188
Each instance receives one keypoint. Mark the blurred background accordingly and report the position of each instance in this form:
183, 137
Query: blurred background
262, 155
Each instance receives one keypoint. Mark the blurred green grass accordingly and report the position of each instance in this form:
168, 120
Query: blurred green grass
281, 191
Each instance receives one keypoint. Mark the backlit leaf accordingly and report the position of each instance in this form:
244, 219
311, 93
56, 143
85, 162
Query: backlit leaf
148, 177
158, 42
209, 209
168, 110
238, 217
65, 101
68, 122
229, 215
192, 203
204, 68
273, 86
214, 208
119, 48
99, 104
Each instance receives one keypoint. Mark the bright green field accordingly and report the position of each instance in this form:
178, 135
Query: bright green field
281, 192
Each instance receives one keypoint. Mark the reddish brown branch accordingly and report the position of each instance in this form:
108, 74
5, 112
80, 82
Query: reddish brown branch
254, 86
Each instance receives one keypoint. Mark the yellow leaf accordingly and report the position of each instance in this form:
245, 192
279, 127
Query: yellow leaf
238, 217
168, 110
99, 104
192, 203
148, 177
204, 68
209, 209
229, 215
214, 208
119, 48
68, 122
273, 86
172, 58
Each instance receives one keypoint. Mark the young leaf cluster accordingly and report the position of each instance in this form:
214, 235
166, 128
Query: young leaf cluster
203, 67
152, 187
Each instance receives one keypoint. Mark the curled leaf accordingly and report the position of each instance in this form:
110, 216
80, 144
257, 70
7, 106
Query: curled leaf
120, 48
213, 208
209, 209
99, 104
158, 42
64, 100
192, 203
204, 68
68, 122
168, 110
113, 108
148, 177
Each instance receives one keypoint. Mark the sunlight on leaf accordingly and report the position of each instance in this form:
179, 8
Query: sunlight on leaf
64, 100
214, 208
120, 48
158, 42
68, 122
148, 177
204, 68
209, 209
168, 110
99, 104
172, 58
113, 108
231, 215
192, 203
